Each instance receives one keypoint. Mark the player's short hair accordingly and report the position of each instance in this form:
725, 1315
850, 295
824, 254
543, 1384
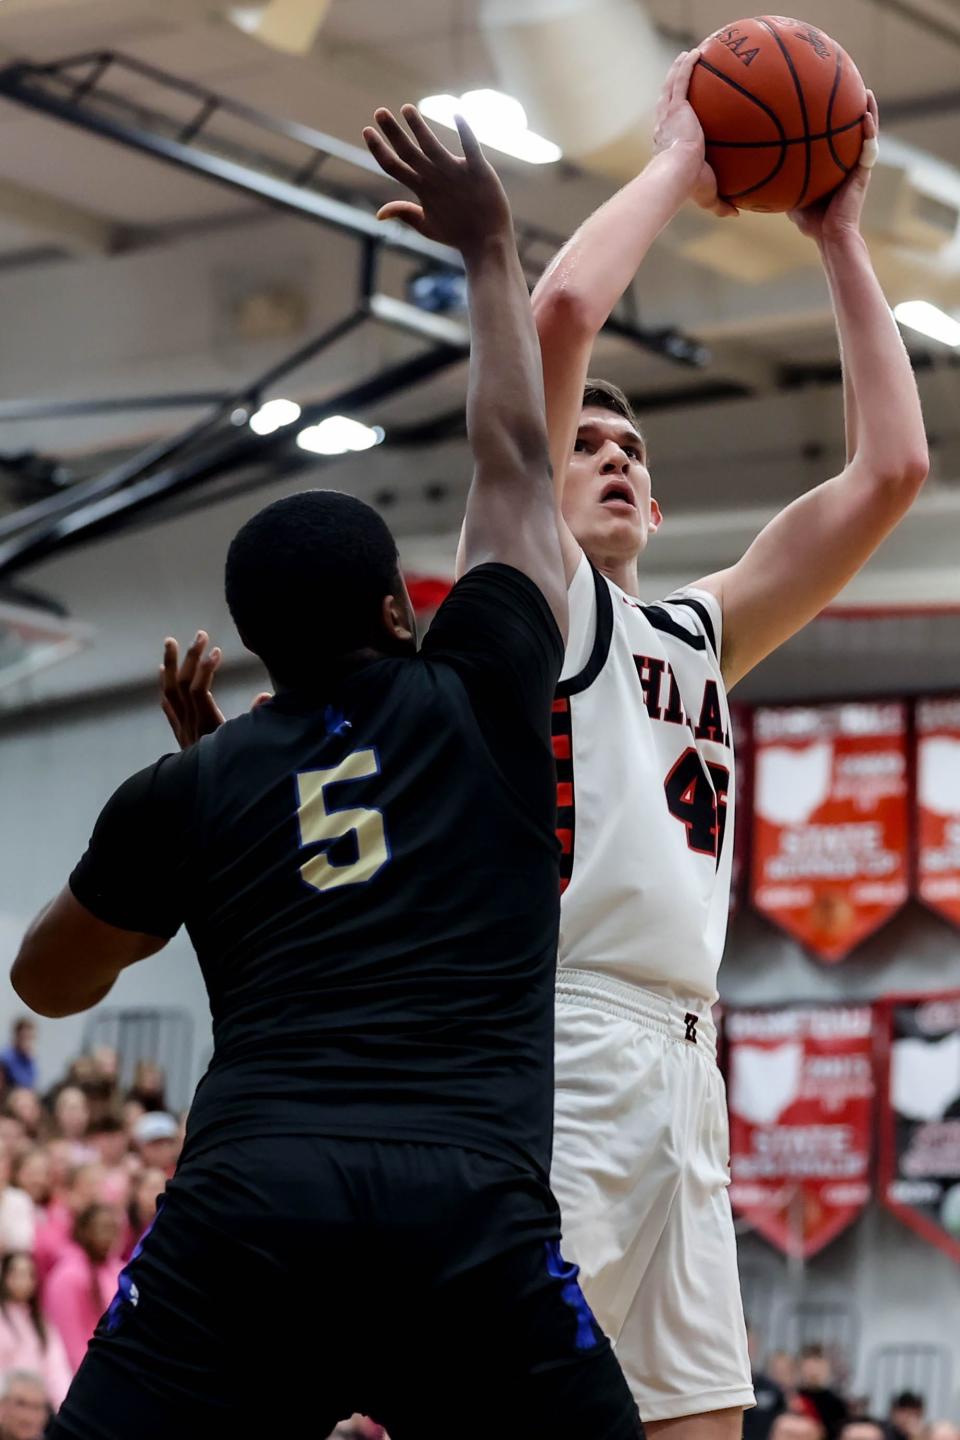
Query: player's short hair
306, 578
607, 396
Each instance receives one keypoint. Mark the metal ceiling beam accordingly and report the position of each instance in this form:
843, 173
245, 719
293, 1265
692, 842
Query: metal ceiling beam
51, 90
74, 90
115, 479
277, 454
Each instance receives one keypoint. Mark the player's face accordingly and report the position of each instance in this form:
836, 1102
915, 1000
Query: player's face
606, 495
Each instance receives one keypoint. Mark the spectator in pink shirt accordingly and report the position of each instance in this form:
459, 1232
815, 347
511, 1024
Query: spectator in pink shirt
27, 1340
84, 1187
81, 1285
17, 1222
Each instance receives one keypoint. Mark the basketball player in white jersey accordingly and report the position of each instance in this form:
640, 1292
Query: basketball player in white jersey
645, 773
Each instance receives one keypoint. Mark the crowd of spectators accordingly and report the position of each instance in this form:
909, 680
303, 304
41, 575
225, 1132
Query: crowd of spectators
809, 1397
81, 1168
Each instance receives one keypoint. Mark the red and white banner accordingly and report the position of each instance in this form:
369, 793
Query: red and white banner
830, 861
938, 805
920, 1130
801, 1095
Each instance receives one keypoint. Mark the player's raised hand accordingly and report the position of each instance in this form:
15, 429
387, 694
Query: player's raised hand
838, 214
186, 694
677, 128
186, 691
460, 200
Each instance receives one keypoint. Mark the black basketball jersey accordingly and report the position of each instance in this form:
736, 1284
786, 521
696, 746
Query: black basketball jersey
369, 874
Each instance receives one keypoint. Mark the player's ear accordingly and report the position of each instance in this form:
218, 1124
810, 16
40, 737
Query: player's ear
397, 616
656, 517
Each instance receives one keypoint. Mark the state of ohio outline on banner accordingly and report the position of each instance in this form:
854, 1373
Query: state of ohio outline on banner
920, 1130
831, 809
801, 1097
938, 805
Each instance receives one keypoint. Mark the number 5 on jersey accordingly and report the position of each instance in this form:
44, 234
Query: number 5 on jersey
320, 823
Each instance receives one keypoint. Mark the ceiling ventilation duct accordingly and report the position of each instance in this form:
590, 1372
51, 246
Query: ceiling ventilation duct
289, 25
588, 73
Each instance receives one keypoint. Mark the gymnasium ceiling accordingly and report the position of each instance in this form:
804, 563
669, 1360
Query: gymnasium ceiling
123, 276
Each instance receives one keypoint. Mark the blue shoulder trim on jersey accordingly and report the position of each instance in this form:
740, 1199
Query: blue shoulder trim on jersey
698, 607
601, 641
660, 620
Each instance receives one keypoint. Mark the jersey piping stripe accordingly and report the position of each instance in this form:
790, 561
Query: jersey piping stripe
566, 809
660, 620
698, 607
601, 643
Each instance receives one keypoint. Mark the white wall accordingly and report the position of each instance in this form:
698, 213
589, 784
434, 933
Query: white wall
55, 774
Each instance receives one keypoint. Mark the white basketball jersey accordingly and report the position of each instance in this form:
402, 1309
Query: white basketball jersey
645, 792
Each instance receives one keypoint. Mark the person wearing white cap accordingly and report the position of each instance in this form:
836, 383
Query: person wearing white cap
156, 1136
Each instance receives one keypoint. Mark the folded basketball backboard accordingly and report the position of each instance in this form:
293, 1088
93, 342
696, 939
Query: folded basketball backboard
32, 637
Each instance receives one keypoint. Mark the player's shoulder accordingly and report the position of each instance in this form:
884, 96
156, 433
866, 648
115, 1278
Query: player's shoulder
690, 617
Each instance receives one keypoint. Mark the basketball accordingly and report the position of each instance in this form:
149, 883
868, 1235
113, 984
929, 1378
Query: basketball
782, 107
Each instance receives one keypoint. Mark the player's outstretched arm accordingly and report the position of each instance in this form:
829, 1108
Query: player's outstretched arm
124, 900
579, 289
511, 513
68, 959
809, 552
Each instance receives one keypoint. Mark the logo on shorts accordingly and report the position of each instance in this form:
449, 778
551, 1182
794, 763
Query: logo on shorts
691, 1023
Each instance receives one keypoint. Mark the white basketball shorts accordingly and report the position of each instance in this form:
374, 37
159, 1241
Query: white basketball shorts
641, 1170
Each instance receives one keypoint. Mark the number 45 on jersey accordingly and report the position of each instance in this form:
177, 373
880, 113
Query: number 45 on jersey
697, 797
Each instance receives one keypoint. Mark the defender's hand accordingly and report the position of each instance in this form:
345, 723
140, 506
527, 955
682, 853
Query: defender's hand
677, 129
461, 201
838, 215
186, 690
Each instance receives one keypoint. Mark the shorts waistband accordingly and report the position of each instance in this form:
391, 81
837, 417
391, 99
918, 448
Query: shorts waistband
629, 1002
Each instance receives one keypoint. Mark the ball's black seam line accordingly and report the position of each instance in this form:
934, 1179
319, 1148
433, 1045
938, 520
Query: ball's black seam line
790, 140
803, 111
830, 131
728, 80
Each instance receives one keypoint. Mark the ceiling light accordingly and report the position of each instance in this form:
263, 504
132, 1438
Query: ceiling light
497, 120
929, 320
247, 17
338, 434
273, 415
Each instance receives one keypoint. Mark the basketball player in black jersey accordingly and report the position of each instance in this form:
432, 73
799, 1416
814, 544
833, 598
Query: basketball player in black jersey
367, 868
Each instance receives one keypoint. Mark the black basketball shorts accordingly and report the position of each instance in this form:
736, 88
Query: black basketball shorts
290, 1281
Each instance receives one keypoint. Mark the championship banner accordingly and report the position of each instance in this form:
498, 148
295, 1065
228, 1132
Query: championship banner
830, 860
938, 806
742, 736
920, 1133
801, 1094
